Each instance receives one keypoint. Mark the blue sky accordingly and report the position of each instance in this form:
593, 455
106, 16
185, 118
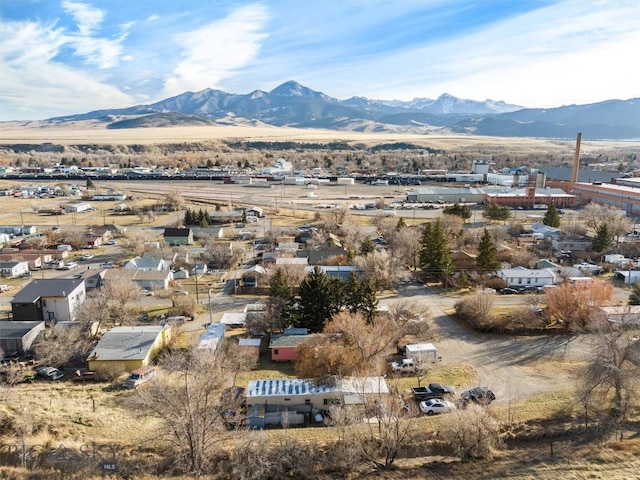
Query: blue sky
74, 56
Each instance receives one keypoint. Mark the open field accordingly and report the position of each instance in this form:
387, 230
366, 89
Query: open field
40, 132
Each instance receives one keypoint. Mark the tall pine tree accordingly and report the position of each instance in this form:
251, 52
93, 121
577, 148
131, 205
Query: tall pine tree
603, 238
552, 217
281, 297
487, 260
435, 256
316, 302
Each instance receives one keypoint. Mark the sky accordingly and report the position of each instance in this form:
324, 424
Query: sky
60, 57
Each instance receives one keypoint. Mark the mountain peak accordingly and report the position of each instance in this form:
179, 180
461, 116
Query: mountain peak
294, 89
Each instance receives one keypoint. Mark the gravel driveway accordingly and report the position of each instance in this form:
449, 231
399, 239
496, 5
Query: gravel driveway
512, 366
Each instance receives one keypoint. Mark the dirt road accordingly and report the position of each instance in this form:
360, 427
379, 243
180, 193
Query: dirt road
514, 367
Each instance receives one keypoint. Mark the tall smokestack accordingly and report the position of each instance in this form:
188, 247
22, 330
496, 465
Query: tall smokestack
576, 160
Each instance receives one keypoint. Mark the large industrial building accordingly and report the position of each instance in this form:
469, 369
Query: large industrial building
624, 197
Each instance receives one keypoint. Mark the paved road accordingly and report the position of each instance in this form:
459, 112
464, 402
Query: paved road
511, 366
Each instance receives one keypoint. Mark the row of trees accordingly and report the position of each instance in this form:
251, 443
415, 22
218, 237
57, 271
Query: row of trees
319, 298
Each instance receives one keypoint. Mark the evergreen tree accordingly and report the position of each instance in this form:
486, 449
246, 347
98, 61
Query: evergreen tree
360, 296
401, 224
281, 295
189, 217
316, 304
90, 184
493, 211
367, 246
634, 296
243, 219
552, 217
462, 211
603, 238
435, 256
487, 260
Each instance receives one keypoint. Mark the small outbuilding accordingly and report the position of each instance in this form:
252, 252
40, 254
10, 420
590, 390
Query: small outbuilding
19, 336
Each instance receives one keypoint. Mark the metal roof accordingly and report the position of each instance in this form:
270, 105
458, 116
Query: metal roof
287, 387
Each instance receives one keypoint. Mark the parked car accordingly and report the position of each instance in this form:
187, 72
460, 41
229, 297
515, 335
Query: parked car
148, 293
508, 291
69, 266
106, 265
49, 373
86, 256
435, 405
181, 292
479, 395
111, 242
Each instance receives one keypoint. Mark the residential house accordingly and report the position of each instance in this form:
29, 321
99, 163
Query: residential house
14, 269
463, 261
178, 236
253, 276
145, 279
132, 346
337, 271
560, 270
148, 262
255, 212
215, 233
34, 260
19, 336
323, 256
521, 277
571, 243
284, 347
93, 240
56, 299
546, 231
270, 399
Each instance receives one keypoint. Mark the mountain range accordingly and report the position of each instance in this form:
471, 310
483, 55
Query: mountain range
294, 105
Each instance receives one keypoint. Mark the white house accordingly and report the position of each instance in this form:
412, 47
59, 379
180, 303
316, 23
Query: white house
13, 269
56, 299
520, 277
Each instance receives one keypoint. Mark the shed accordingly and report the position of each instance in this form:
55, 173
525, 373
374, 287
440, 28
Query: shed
19, 336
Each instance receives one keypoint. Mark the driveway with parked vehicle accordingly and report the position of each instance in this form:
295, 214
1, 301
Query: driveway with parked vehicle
507, 364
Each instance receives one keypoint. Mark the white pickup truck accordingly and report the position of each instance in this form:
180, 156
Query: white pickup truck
405, 365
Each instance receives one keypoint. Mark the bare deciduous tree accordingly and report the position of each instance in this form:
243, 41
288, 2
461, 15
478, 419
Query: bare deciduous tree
615, 363
174, 200
387, 429
187, 401
573, 304
477, 310
405, 246
378, 267
472, 432
618, 223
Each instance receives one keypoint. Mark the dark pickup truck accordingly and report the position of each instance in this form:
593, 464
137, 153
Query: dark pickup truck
433, 390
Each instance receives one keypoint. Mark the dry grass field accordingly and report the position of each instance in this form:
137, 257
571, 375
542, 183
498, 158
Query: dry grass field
89, 132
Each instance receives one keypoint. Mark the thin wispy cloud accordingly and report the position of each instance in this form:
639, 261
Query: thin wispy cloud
86, 17
213, 52
536, 53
